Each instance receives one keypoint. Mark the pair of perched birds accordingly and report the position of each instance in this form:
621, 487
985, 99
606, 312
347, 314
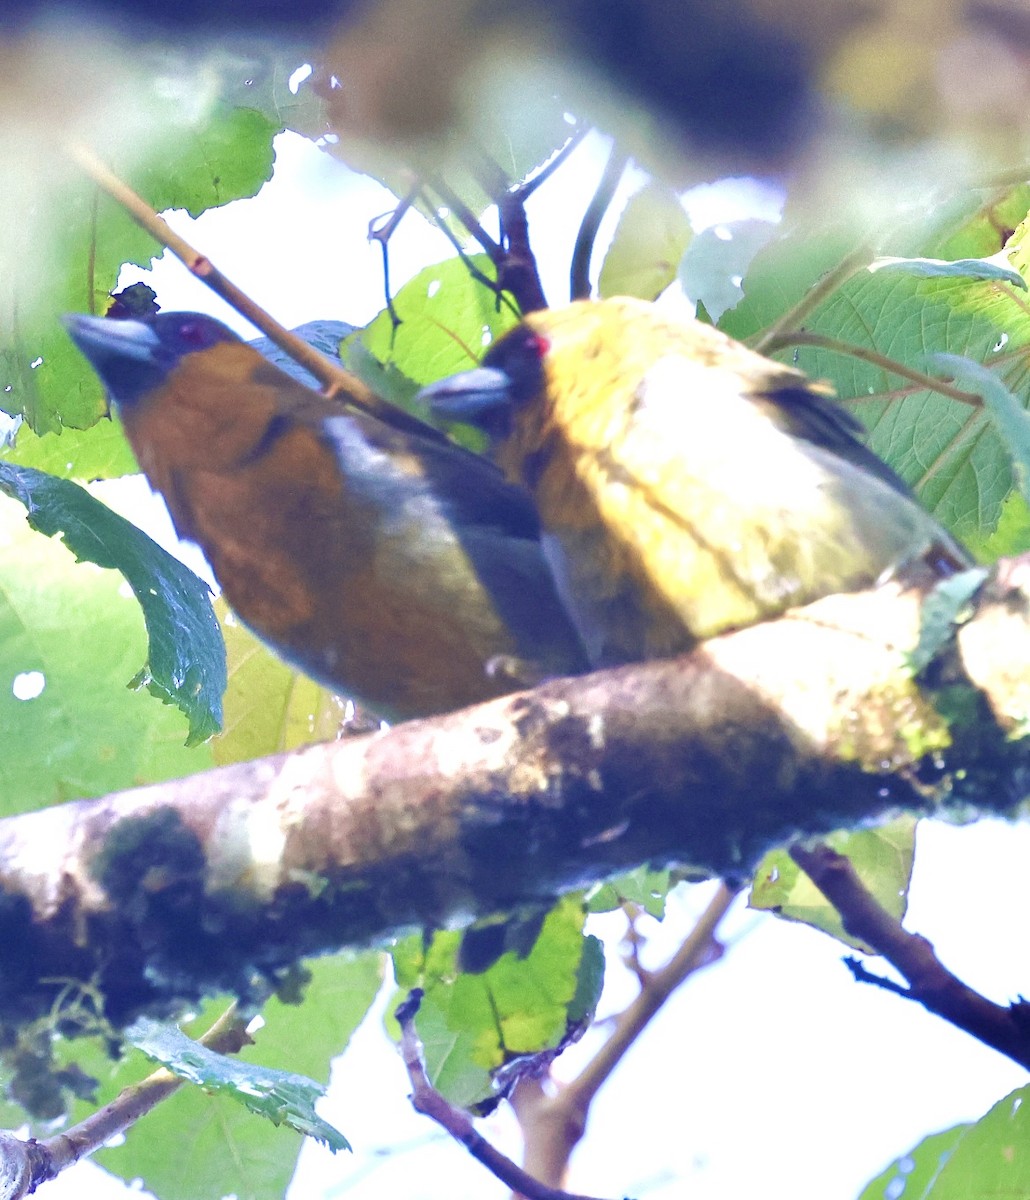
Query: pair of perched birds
658, 483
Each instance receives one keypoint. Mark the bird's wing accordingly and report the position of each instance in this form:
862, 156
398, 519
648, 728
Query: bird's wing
825, 423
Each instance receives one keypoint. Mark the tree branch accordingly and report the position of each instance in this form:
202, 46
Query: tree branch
803, 337
1006, 1028
582, 252
804, 724
553, 1124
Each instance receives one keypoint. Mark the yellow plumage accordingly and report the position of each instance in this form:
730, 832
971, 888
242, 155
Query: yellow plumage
685, 484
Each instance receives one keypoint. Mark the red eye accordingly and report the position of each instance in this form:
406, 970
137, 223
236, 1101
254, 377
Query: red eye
193, 333
538, 344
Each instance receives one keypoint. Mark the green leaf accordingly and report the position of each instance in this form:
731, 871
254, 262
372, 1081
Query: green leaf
231, 1153
882, 857
946, 448
383, 378
649, 241
970, 1162
715, 264
182, 146
959, 268
269, 706
1012, 535
471, 1025
76, 632
645, 887
100, 452
915, 1173
226, 157
518, 125
448, 319
947, 604
186, 656
282, 1097
1010, 417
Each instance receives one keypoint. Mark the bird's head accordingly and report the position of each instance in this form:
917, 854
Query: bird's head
570, 371
133, 358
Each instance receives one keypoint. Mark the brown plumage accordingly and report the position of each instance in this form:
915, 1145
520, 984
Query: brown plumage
384, 561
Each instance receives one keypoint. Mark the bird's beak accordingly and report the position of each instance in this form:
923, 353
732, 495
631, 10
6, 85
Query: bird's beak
125, 354
480, 397
101, 339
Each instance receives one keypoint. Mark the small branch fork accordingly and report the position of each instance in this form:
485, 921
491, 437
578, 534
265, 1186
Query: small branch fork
553, 1124
427, 1100
510, 253
1005, 1028
27, 1164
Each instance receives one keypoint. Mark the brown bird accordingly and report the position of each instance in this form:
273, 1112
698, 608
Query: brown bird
386, 562
685, 484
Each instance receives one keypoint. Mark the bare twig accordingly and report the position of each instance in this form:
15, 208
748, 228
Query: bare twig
579, 272
382, 234
511, 255
518, 272
428, 1101
467, 217
1006, 1028
553, 1124
861, 974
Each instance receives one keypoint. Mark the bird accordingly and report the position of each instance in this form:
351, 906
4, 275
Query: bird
377, 556
686, 485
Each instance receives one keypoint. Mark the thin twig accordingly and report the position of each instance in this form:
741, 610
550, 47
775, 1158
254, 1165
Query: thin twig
331, 375
1006, 1028
493, 285
803, 337
658, 987
530, 185
382, 235
552, 1124
518, 273
861, 974
428, 1101
467, 217
579, 272
227, 1035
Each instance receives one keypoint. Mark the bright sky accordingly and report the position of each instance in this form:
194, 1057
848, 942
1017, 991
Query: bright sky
772, 1074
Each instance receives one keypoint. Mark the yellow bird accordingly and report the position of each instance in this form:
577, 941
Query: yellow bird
685, 484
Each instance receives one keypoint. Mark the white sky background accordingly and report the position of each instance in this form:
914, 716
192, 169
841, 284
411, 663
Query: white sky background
770, 1074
